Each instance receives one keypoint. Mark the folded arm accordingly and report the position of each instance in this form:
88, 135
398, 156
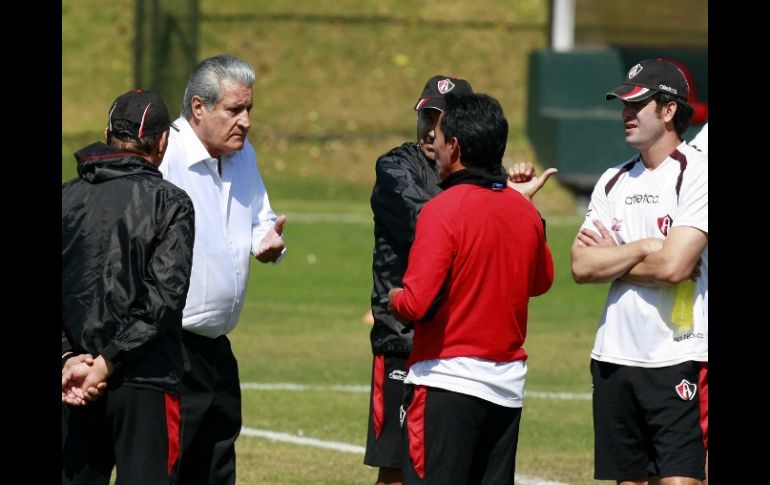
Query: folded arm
597, 258
675, 262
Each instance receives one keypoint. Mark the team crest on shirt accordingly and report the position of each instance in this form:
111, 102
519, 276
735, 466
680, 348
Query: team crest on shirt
664, 224
686, 390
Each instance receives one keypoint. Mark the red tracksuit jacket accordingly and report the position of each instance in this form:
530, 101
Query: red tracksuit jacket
485, 251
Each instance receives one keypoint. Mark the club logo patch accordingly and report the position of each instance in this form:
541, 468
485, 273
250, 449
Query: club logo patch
634, 71
664, 224
445, 85
686, 390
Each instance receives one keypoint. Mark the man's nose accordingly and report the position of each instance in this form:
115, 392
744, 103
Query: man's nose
244, 121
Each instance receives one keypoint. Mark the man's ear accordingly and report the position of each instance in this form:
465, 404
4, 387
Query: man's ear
197, 107
106, 130
669, 111
163, 143
455, 154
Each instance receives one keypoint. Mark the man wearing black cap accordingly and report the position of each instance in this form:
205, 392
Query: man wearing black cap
481, 248
646, 233
127, 242
406, 178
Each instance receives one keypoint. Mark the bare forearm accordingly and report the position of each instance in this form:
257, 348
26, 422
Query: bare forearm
674, 262
658, 269
645, 273
602, 264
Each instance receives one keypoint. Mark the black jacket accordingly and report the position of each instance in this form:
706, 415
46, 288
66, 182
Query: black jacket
127, 241
405, 181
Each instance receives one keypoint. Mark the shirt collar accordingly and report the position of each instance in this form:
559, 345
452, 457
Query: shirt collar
194, 149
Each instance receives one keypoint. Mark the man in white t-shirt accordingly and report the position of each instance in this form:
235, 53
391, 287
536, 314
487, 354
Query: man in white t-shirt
646, 233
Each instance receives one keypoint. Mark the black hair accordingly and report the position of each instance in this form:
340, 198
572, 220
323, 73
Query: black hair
478, 123
121, 138
683, 111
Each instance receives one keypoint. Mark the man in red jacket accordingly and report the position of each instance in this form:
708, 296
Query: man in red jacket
480, 250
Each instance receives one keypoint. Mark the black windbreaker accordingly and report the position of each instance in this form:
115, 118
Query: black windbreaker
405, 181
127, 242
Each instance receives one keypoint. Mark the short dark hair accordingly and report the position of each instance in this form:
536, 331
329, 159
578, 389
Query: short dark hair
683, 113
119, 139
478, 123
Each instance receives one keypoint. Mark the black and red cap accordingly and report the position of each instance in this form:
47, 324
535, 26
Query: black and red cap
142, 114
433, 94
650, 77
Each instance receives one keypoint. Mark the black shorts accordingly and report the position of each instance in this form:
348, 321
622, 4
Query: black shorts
133, 429
457, 438
384, 437
648, 421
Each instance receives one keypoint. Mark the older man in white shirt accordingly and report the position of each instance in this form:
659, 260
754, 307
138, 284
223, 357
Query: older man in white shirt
212, 160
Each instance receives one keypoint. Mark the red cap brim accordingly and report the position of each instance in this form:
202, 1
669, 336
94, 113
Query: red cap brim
630, 92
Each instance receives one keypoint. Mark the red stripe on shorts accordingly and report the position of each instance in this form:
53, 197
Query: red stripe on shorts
378, 397
415, 427
173, 421
703, 398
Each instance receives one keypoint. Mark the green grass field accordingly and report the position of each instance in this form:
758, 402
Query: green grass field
335, 88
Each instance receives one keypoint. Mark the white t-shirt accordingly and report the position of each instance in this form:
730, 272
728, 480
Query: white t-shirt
500, 383
637, 326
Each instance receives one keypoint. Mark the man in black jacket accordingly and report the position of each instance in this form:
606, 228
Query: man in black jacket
406, 178
127, 240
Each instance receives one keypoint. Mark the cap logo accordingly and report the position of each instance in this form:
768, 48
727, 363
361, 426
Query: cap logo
669, 89
634, 71
444, 86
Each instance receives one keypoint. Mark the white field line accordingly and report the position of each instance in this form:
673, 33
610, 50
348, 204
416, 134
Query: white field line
290, 386
365, 218
302, 440
360, 450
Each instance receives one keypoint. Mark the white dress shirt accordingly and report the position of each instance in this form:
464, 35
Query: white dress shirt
232, 215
